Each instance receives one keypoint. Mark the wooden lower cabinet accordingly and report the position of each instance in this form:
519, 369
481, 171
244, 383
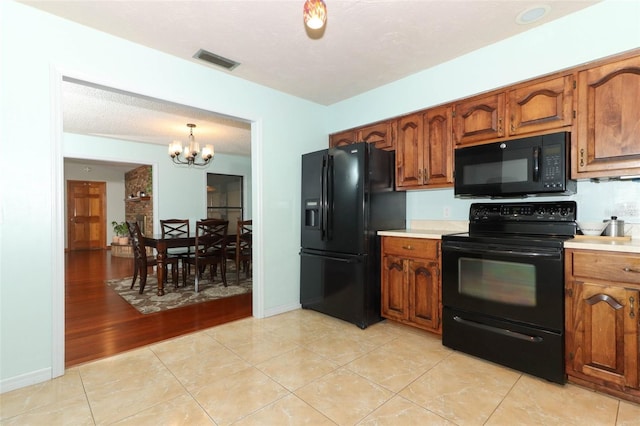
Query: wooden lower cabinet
602, 290
411, 282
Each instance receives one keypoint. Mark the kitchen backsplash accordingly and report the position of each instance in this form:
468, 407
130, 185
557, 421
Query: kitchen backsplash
596, 201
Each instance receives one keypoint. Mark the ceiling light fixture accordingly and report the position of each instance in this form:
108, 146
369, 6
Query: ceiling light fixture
190, 151
315, 14
532, 14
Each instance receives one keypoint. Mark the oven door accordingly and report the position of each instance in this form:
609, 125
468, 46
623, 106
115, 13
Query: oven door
515, 283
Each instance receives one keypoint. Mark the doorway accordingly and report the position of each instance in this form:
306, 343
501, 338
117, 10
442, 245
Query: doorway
225, 198
255, 301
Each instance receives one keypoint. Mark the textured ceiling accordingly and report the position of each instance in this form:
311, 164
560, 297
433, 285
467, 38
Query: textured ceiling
98, 111
365, 44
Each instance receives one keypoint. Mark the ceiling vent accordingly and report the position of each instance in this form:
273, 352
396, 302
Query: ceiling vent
214, 59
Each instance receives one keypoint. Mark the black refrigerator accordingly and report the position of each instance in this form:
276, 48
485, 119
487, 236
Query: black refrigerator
348, 194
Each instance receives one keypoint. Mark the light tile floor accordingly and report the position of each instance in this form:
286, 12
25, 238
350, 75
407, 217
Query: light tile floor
304, 368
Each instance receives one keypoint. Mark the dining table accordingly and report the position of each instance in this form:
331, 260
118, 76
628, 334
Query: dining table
161, 244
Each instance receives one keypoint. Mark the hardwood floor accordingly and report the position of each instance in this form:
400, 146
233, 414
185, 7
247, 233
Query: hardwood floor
99, 323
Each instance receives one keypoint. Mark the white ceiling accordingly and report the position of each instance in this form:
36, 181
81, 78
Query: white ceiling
365, 44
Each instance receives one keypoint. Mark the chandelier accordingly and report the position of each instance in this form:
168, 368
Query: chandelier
314, 13
187, 154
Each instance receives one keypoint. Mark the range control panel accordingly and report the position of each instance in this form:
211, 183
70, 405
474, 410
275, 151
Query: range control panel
553, 211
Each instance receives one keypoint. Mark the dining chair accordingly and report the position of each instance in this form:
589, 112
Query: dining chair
141, 261
176, 228
239, 250
211, 236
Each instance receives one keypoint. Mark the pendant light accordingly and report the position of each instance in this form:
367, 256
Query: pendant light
187, 154
315, 14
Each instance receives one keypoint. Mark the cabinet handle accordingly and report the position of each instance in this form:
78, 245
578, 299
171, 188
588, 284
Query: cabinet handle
631, 313
426, 176
635, 271
409, 247
420, 174
582, 157
500, 126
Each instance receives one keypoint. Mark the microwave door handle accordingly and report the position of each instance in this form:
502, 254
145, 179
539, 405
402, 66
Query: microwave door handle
536, 164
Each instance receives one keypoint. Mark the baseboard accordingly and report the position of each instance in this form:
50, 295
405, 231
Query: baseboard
25, 380
281, 309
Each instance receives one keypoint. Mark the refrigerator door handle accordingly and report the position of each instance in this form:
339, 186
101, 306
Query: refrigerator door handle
323, 199
329, 199
334, 258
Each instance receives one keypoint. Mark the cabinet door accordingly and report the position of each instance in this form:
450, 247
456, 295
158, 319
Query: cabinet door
438, 149
382, 135
394, 289
607, 125
603, 330
409, 154
424, 293
542, 106
343, 138
479, 119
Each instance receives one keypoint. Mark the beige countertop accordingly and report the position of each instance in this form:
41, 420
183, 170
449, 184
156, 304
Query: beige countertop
435, 229
416, 233
604, 244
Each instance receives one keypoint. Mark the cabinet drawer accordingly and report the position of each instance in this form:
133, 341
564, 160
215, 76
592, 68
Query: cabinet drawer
410, 247
623, 268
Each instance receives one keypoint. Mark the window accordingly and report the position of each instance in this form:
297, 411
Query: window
225, 198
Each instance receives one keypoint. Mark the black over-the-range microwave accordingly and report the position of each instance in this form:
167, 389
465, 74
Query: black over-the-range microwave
537, 165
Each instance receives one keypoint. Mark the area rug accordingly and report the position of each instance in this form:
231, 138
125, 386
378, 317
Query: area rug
149, 302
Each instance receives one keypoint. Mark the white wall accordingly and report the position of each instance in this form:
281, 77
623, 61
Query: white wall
607, 28
37, 50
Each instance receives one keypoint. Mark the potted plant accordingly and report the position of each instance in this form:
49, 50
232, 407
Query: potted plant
121, 231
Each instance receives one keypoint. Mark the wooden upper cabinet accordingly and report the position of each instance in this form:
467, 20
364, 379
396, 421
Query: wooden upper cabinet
382, 135
608, 121
343, 138
546, 105
409, 151
438, 147
479, 119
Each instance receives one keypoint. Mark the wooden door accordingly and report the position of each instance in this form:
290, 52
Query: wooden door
343, 138
604, 330
541, 106
479, 119
382, 135
438, 151
409, 152
86, 215
608, 117
394, 288
423, 293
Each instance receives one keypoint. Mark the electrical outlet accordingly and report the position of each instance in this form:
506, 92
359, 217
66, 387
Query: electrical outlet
446, 211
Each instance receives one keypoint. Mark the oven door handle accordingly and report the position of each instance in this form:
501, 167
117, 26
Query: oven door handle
503, 331
503, 252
